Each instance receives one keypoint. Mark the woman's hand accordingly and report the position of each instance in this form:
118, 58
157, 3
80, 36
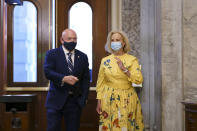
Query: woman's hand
98, 108
121, 66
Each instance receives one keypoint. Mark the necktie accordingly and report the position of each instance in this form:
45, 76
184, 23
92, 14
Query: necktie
70, 63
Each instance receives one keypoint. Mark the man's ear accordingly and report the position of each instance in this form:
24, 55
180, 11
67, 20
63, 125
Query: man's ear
61, 40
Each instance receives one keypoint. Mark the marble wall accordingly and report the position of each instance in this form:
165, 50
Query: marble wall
190, 49
172, 70
179, 60
131, 24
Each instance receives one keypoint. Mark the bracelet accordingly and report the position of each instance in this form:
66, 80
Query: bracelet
125, 70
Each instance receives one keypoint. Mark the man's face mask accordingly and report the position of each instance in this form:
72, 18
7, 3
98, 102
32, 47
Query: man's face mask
70, 45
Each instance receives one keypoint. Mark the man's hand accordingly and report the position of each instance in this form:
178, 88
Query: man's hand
71, 80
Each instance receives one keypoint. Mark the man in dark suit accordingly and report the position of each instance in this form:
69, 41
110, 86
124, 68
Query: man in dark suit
68, 72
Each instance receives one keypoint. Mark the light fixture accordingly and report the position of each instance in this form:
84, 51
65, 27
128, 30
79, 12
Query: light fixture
14, 2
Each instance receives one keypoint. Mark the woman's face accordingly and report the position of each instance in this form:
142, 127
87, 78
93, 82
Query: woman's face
117, 37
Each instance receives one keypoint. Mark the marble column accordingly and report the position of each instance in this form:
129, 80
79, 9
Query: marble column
131, 24
190, 50
172, 87
116, 14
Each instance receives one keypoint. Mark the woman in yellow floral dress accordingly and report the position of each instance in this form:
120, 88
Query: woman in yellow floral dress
118, 103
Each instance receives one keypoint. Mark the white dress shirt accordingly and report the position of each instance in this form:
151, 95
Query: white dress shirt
66, 54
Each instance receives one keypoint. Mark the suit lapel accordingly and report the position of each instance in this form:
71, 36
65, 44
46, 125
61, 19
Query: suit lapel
77, 61
63, 60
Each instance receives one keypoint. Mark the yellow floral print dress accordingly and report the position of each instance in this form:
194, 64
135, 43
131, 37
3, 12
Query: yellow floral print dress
121, 109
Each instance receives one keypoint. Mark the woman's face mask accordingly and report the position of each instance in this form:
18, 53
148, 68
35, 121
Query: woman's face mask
116, 46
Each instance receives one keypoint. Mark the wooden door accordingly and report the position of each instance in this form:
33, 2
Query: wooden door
101, 27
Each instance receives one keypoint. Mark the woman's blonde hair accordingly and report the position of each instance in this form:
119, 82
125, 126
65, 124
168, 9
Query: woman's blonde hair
125, 39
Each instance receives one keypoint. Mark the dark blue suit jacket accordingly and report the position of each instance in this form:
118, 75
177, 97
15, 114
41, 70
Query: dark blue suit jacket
55, 68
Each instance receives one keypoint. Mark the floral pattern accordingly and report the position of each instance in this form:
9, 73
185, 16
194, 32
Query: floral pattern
105, 114
107, 63
104, 128
116, 115
116, 123
121, 109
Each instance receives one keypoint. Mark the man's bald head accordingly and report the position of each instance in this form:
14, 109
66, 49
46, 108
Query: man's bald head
68, 31
68, 35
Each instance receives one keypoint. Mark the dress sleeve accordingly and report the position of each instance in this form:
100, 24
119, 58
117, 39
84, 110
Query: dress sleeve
136, 74
100, 81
